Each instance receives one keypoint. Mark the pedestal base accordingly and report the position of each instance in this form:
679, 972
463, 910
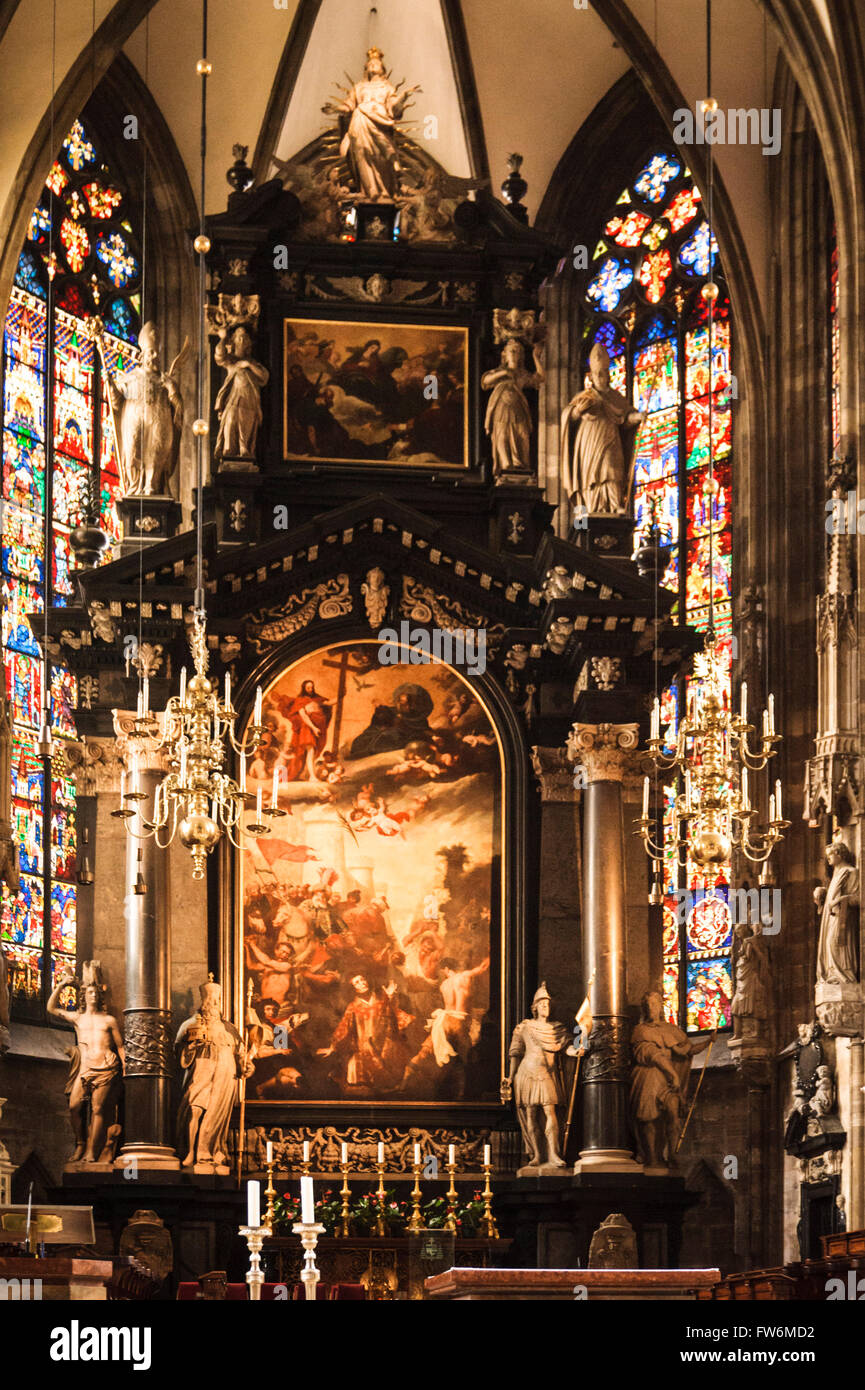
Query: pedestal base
147, 520
542, 1170
611, 537
840, 1008
146, 1157
552, 1222
607, 1161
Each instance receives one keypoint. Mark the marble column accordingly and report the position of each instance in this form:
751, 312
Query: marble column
604, 751
148, 1129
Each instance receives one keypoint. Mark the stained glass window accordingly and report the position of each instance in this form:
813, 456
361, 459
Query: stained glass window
58, 454
643, 293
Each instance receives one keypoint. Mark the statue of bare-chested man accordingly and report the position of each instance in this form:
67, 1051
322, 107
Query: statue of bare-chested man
97, 1067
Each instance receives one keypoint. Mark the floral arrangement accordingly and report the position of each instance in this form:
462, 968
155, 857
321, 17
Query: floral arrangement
364, 1211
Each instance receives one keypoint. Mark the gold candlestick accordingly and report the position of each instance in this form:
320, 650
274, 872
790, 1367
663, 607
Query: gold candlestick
451, 1218
380, 1224
309, 1232
491, 1230
416, 1222
270, 1194
345, 1194
254, 1236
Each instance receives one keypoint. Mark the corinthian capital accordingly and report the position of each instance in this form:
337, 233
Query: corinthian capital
151, 757
604, 750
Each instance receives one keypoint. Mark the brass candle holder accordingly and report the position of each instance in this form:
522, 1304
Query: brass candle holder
309, 1232
270, 1194
488, 1221
345, 1194
416, 1221
254, 1236
380, 1223
451, 1218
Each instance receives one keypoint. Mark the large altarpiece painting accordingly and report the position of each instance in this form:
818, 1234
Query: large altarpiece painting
372, 911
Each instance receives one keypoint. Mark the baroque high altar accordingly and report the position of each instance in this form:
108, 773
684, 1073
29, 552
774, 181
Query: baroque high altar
432, 569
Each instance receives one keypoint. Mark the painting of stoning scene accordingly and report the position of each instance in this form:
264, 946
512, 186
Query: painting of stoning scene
376, 393
371, 915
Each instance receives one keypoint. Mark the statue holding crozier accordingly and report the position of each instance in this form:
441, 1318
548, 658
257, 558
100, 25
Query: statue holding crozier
594, 470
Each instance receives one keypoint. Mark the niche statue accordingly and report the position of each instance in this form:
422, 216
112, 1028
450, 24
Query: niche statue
238, 403
508, 419
535, 1083
211, 1054
370, 113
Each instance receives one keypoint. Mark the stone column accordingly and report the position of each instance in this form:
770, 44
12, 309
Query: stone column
856, 1140
148, 1129
604, 750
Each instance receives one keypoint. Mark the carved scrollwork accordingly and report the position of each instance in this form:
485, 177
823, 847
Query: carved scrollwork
605, 750
325, 1146
330, 599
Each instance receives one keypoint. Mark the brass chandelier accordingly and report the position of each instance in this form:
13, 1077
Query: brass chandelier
713, 814
196, 798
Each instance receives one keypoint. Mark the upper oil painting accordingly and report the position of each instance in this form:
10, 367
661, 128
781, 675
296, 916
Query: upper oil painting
376, 393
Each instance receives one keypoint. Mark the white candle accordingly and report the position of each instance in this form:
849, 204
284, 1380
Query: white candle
380, 1153
183, 686
771, 808
486, 1155
139, 710
656, 718
745, 802
269, 1151
122, 787
183, 763
243, 772
227, 697
765, 722
307, 1202
253, 1203
645, 798
145, 691
451, 1154
771, 714
417, 1155
135, 786
743, 701
256, 718
687, 789
778, 800
344, 1154
305, 1146
274, 794
258, 807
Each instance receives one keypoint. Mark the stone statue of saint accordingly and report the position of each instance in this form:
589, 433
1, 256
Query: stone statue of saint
238, 403
594, 470
837, 949
508, 420
211, 1054
614, 1244
374, 108
750, 1004
659, 1077
534, 1081
96, 1073
147, 414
